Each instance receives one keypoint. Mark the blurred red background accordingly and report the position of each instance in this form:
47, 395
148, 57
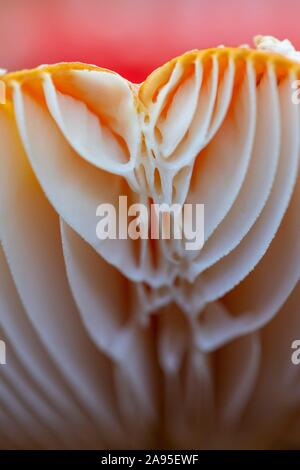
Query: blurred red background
134, 36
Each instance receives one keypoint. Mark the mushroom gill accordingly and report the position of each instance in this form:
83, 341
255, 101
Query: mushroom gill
140, 343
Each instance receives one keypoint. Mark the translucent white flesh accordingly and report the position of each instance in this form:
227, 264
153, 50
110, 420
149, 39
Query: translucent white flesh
70, 301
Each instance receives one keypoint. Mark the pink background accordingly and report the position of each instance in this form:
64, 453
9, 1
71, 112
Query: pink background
134, 36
